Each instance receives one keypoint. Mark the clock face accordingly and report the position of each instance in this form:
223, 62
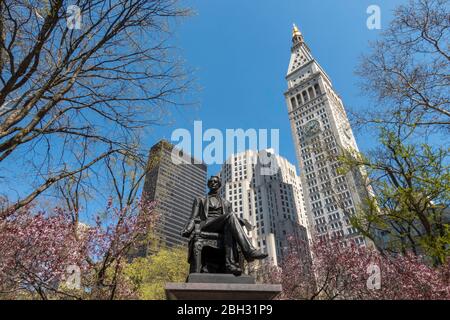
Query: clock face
311, 128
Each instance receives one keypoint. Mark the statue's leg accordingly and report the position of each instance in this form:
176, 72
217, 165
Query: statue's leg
238, 233
215, 224
230, 252
229, 223
221, 224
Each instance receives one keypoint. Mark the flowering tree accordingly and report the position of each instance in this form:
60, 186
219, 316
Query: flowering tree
40, 250
35, 250
354, 272
295, 272
112, 244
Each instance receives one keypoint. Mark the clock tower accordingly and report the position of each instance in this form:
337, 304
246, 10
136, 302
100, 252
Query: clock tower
321, 130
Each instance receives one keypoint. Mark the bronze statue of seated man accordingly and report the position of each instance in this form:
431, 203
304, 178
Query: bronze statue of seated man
216, 215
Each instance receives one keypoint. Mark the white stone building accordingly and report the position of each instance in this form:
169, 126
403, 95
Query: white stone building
320, 130
273, 203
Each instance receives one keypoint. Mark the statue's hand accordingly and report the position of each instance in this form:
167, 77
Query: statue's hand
185, 233
248, 225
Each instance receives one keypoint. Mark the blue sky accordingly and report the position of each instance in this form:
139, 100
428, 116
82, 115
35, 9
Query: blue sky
240, 53
240, 50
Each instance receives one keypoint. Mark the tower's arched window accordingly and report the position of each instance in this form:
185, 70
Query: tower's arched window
305, 95
311, 93
293, 103
317, 89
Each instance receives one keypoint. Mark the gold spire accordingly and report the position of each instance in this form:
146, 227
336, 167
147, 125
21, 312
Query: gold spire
295, 31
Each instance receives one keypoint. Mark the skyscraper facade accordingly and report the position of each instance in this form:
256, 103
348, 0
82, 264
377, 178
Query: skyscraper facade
173, 181
321, 130
271, 201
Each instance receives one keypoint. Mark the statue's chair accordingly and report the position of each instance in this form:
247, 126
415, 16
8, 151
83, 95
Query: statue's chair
207, 251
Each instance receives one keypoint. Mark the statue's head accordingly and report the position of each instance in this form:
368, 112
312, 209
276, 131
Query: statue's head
214, 183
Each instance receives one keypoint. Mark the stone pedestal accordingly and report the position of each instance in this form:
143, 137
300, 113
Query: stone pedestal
207, 286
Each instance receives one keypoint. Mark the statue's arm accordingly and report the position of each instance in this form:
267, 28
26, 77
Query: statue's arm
189, 227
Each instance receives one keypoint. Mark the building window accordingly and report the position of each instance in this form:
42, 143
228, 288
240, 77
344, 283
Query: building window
305, 96
311, 93
293, 103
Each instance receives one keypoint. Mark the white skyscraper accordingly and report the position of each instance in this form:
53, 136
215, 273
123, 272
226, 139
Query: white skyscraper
320, 129
273, 203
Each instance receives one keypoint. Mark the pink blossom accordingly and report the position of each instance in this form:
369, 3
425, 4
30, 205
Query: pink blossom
341, 272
